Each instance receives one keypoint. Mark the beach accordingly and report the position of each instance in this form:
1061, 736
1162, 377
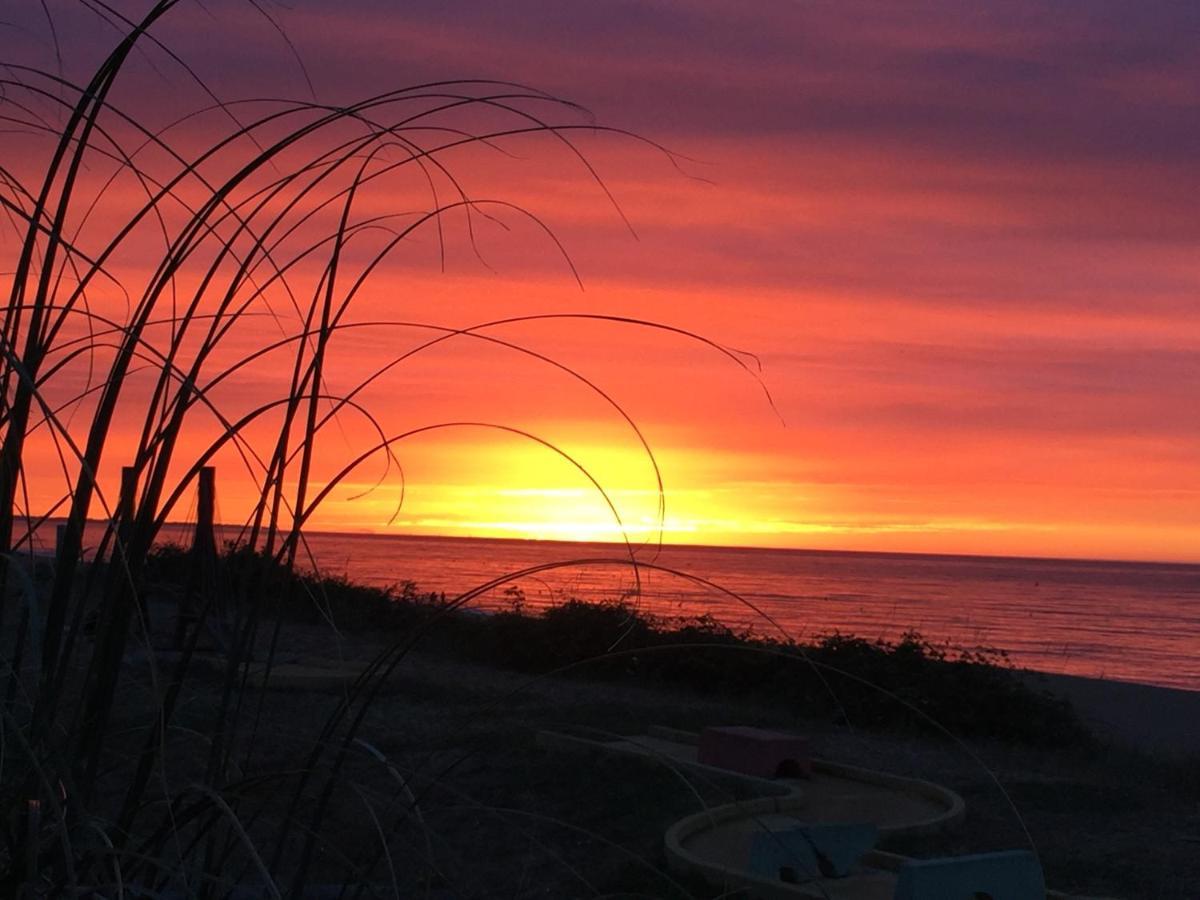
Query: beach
1146, 717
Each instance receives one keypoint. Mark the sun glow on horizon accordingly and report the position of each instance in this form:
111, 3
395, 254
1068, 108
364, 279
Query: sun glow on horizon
510, 489
507, 488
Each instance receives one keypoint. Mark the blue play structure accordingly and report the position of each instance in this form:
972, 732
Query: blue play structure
1008, 875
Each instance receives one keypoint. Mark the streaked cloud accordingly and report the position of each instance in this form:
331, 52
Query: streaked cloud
960, 237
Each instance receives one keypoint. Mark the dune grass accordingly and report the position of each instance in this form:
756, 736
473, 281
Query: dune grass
111, 781
154, 269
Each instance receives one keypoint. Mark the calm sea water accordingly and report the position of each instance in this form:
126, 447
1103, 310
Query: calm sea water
1129, 621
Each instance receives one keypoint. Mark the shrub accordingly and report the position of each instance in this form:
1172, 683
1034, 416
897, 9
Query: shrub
909, 684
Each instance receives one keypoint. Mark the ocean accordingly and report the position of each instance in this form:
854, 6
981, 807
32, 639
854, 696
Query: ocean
1122, 620
1128, 621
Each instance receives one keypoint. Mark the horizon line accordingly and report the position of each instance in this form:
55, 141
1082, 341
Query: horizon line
700, 546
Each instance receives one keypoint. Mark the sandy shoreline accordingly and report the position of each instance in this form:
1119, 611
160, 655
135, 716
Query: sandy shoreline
1147, 717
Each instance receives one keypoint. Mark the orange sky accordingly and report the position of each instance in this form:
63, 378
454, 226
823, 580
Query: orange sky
960, 242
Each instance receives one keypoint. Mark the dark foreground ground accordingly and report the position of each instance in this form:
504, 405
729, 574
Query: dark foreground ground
498, 816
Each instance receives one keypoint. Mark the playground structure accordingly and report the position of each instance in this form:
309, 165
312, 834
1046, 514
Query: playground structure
812, 830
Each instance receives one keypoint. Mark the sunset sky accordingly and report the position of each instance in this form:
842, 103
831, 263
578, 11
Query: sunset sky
960, 239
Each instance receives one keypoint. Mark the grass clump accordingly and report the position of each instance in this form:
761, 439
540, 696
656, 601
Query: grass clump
183, 294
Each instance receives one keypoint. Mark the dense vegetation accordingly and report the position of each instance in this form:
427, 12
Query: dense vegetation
909, 684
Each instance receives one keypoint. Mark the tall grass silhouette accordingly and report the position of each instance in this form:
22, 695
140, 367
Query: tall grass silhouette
153, 272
